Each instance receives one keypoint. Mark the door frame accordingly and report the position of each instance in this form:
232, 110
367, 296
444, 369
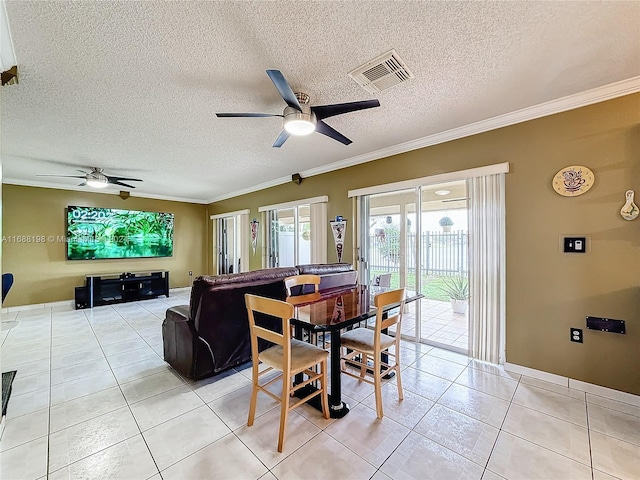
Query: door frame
418, 183
241, 230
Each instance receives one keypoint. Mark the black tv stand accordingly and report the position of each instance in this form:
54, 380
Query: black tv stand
109, 288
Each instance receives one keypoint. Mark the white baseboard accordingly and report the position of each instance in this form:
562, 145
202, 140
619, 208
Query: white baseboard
609, 393
180, 290
539, 374
66, 303
37, 306
605, 392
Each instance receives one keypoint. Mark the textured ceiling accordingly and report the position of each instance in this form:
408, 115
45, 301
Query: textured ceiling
134, 86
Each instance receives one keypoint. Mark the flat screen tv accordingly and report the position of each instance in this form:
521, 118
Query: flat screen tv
98, 233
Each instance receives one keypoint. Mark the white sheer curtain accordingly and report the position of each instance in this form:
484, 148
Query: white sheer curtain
486, 266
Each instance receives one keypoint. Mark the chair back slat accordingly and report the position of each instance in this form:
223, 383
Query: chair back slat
302, 280
268, 335
390, 321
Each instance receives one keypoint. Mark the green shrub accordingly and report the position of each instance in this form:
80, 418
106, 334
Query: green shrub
457, 287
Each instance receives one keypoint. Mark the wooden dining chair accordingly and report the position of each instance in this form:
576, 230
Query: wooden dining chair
362, 343
301, 281
288, 355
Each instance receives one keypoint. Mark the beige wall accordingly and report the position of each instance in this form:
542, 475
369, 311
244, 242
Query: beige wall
42, 273
547, 291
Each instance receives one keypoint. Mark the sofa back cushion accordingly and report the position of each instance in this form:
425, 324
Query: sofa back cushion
324, 268
220, 316
333, 276
232, 280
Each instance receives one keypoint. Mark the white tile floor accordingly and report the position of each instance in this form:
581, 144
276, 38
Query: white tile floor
94, 399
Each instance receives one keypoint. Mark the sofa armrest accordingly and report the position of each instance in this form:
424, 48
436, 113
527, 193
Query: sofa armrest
183, 349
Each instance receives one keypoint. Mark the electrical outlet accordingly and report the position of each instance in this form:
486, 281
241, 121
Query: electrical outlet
576, 335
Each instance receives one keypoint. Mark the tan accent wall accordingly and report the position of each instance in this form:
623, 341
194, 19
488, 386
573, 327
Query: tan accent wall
42, 272
547, 291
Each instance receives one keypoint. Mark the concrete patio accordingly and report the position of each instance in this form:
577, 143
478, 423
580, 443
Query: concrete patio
438, 324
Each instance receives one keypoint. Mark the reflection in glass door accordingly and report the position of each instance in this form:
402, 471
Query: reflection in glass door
228, 242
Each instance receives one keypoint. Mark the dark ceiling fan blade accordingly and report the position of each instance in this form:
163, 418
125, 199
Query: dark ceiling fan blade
63, 176
246, 115
281, 139
326, 111
83, 184
121, 184
325, 129
285, 90
112, 179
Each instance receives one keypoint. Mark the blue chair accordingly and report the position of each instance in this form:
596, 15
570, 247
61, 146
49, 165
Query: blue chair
7, 282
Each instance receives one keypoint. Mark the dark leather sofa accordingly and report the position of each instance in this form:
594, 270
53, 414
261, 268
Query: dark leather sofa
211, 334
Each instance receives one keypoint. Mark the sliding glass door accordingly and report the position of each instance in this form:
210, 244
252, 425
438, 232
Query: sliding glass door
451, 248
421, 249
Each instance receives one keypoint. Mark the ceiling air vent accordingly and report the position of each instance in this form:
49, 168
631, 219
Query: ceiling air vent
381, 73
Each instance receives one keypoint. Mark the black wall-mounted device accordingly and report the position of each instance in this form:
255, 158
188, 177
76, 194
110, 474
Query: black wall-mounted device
574, 245
606, 325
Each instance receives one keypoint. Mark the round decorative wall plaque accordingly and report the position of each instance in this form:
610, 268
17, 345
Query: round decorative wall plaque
573, 181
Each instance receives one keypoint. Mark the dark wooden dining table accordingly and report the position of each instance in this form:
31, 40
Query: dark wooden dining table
331, 312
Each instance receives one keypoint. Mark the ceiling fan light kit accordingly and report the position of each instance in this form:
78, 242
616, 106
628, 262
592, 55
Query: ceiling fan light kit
299, 123
97, 182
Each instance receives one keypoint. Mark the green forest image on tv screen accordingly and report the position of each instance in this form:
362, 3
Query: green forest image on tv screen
97, 233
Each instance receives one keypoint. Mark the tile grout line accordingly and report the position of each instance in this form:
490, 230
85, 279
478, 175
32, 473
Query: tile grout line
586, 407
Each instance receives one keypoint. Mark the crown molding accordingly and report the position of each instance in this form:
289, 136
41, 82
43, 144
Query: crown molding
563, 104
23, 183
254, 188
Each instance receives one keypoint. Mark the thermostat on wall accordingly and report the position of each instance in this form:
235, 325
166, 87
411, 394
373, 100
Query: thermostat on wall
574, 243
